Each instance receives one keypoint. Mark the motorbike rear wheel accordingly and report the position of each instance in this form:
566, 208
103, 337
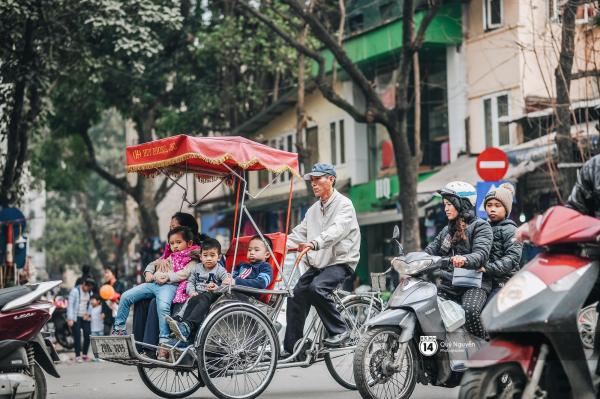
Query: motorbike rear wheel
376, 374
503, 381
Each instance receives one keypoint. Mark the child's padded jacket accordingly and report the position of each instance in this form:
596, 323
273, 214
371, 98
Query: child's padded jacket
256, 275
505, 256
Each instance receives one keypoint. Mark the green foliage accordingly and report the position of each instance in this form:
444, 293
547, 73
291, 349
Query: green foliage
66, 241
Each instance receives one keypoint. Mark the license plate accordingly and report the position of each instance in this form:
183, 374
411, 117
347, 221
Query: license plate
112, 349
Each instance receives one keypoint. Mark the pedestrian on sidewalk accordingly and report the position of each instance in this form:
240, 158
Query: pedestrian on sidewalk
78, 317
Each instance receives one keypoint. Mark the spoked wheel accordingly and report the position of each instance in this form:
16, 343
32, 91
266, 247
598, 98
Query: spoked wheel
341, 363
378, 371
170, 383
238, 351
505, 381
586, 322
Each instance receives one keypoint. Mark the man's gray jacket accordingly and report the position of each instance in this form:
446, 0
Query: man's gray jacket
333, 229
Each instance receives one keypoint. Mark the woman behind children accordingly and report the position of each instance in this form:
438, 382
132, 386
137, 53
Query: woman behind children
505, 257
145, 321
182, 256
468, 241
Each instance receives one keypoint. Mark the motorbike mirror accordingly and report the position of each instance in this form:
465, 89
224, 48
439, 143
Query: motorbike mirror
396, 233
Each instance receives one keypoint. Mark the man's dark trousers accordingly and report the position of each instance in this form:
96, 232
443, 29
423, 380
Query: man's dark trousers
315, 288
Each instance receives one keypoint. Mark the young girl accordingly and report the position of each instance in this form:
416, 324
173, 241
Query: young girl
184, 255
467, 240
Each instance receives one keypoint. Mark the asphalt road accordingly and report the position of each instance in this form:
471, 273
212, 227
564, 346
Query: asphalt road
111, 381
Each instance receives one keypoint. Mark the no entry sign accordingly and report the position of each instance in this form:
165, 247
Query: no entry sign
492, 164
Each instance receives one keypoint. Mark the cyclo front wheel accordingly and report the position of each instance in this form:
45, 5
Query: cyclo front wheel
356, 312
238, 351
378, 371
170, 383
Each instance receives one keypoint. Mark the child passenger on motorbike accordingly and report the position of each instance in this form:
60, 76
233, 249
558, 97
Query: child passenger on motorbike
467, 240
506, 251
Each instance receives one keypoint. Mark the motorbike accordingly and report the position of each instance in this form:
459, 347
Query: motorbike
535, 348
24, 353
418, 338
58, 327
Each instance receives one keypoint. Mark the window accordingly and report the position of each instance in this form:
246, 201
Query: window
585, 13
355, 22
338, 142
496, 132
553, 11
286, 142
386, 11
493, 14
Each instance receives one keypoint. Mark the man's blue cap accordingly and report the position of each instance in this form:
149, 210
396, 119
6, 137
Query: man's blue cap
321, 169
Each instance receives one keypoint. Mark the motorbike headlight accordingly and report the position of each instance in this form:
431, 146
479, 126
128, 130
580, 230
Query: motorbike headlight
521, 287
410, 268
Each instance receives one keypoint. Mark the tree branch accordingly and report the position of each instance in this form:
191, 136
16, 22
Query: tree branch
92, 164
592, 73
377, 115
287, 38
323, 35
431, 13
163, 189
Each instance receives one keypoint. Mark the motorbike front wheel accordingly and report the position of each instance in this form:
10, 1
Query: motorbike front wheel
377, 371
504, 381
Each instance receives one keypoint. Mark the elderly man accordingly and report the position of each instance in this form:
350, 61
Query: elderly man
331, 231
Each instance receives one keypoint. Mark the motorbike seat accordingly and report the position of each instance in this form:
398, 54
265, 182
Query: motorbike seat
8, 294
10, 345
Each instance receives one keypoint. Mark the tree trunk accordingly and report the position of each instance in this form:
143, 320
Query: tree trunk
82, 205
567, 175
301, 118
407, 178
14, 140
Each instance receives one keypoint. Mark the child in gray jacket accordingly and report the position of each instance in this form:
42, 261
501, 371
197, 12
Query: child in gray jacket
203, 281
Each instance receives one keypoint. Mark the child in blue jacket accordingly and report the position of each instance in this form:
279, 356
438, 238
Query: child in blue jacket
257, 273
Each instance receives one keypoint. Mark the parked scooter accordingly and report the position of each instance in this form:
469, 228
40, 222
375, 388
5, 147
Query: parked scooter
24, 353
414, 339
535, 348
58, 327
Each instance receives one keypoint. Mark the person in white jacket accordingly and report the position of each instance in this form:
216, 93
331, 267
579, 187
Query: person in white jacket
330, 229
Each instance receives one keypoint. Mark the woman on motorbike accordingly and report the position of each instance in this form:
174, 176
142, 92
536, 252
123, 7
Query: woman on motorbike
467, 240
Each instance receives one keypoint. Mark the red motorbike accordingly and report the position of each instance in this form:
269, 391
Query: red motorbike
535, 349
24, 353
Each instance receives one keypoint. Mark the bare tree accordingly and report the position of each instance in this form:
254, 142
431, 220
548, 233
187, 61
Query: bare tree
394, 120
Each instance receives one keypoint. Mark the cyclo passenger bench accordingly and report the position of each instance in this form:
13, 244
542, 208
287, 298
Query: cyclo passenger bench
236, 350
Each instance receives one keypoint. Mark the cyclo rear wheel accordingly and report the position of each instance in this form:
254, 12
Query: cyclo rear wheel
238, 350
170, 383
340, 363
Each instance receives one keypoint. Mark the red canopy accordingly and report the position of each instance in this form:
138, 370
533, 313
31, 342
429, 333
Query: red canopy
207, 156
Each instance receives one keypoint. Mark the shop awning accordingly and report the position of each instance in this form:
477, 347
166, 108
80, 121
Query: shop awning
592, 103
464, 169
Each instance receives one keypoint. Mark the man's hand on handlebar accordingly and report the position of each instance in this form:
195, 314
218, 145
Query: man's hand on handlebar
303, 245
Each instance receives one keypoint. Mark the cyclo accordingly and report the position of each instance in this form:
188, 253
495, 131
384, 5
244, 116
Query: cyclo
236, 350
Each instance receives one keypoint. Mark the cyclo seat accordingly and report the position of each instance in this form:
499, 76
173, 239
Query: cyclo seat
278, 240
8, 294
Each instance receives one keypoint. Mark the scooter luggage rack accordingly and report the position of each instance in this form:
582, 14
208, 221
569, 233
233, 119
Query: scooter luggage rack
378, 281
184, 360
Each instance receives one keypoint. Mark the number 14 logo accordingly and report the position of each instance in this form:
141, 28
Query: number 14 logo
428, 345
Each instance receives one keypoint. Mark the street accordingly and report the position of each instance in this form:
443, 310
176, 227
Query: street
102, 380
